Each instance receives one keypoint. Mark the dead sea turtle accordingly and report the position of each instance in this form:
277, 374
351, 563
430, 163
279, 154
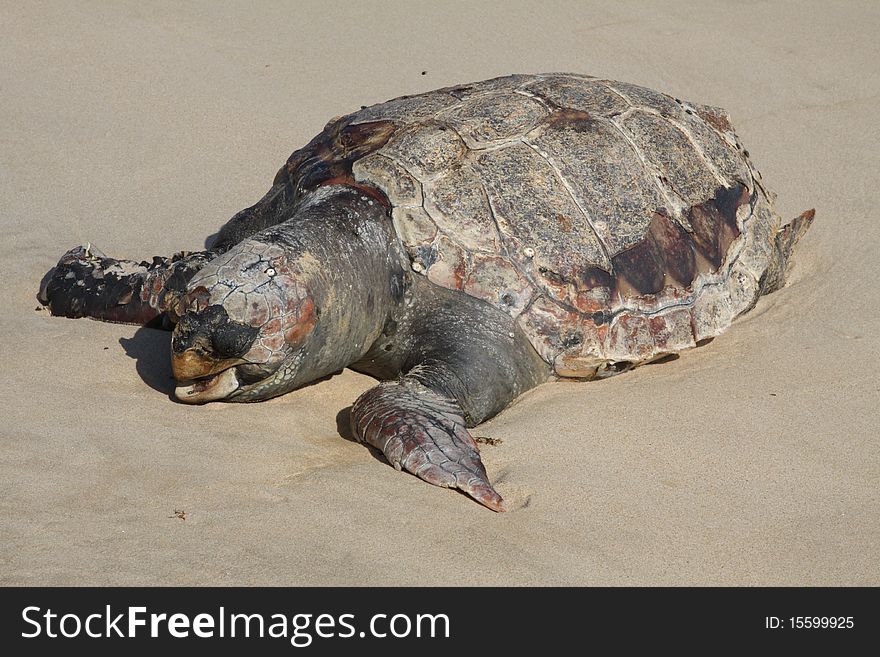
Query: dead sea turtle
463, 246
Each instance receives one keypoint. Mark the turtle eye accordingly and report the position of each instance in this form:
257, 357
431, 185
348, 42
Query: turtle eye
270, 271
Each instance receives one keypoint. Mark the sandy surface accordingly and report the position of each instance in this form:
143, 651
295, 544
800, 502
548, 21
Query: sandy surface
142, 127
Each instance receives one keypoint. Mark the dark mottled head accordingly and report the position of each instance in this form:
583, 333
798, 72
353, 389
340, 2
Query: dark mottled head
248, 315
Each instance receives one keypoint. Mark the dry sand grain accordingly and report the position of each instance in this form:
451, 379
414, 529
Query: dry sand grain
143, 126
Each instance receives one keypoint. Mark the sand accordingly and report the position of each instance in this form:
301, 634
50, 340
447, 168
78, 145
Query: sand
141, 127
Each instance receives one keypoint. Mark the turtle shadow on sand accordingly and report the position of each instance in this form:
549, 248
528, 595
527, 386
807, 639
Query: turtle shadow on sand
149, 348
343, 428
343, 424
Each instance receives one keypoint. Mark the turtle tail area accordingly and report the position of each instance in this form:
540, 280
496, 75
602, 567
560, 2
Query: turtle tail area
786, 239
86, 283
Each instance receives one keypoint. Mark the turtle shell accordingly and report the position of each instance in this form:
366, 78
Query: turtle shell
614, 223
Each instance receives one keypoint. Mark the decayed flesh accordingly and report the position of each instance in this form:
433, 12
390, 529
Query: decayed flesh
87, 283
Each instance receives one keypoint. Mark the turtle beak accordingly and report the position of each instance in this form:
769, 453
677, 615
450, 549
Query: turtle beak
196, 364
212, 388
203, 379
205, 369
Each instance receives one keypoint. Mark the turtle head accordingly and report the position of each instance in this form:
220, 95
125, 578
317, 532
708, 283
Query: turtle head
247, 320
295, 302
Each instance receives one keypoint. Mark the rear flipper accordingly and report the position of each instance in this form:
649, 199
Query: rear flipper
786, 239
86, 283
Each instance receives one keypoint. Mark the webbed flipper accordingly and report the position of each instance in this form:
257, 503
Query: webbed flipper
786, 239
423, 433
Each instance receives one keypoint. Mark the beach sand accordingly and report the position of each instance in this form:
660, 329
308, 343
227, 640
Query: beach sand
142, 127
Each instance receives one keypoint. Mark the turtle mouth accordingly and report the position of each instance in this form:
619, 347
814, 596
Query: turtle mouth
209, 388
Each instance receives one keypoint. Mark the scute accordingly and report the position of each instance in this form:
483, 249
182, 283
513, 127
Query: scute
609, 182
505, 83
399, 185
538, 219
487, 119
458, 204
614, 223
676, 158
594, 97
416, 229
427, 150
448, 266
406, 109
723, 156
494, 278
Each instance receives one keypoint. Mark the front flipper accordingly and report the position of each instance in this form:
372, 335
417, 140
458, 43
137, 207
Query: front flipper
86, 283
423, 433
